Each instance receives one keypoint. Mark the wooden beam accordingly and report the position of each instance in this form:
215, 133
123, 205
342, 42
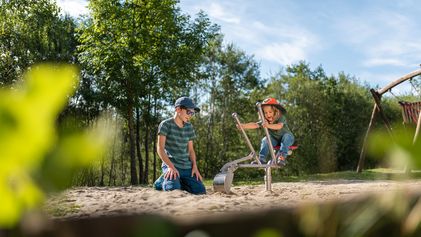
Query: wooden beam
417, 132
377, 100
360, 166
399, 81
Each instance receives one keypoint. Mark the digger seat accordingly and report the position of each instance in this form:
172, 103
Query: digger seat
294, 147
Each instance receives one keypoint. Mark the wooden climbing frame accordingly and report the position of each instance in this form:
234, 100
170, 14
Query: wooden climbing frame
411, 112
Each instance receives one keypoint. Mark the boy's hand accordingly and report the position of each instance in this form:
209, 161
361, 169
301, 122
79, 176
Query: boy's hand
172, 173
195, 171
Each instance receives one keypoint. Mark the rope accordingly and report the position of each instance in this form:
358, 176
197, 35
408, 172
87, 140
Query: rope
418, 92
390, 91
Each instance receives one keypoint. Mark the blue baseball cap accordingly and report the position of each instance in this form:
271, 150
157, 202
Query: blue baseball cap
186, 102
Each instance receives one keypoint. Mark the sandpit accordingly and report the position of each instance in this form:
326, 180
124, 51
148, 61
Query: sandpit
181, 206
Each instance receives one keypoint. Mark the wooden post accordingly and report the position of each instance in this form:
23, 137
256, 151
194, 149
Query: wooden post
417, 130
363, 149
377, 99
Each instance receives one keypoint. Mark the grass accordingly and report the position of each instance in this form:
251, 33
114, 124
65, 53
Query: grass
62, 210
371, 174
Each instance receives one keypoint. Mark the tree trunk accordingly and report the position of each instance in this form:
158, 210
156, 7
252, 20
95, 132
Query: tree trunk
145, 178
112, 173
138, 150
223, 129
154, 140
111, 176
101, 181
209, 134
123, 156
147, 125
133, 171
154, 159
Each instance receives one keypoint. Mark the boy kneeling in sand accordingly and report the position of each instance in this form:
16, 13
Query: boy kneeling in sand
175, 148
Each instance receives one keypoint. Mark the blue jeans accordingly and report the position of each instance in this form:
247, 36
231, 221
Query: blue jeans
183, 182
286, 141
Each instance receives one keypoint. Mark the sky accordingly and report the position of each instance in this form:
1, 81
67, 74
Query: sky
376, 41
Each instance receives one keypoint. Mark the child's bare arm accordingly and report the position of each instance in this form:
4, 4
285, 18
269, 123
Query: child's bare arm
192, 155
249, 125
275, 126
172, 172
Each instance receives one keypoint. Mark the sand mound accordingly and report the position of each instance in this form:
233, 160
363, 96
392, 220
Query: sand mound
182, 206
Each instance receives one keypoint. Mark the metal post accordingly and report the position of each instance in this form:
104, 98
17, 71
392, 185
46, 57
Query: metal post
268, 170
268, 179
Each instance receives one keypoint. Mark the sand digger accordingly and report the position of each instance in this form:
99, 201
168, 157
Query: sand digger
223, 180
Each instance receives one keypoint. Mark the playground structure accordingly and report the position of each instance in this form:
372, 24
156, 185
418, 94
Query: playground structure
410, 112
223, 180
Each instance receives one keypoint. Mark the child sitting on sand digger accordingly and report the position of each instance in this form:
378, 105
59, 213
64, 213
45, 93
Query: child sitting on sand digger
280, 134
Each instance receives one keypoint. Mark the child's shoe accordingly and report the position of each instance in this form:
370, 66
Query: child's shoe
281, 161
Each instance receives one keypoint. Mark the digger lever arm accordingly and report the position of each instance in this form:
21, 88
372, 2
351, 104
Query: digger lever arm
237, 121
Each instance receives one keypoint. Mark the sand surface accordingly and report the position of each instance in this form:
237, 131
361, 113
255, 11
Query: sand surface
182, 206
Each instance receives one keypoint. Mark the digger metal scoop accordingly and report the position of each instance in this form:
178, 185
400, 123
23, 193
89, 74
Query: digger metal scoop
223, 180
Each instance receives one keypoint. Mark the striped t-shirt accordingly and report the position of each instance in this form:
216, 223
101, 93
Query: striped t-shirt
176, 142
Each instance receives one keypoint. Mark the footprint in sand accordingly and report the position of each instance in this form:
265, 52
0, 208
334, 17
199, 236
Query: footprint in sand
215, 207
167, 202
70, 200
145, 198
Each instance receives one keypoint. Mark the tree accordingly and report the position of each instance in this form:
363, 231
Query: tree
30, 32
137, 53
231, 77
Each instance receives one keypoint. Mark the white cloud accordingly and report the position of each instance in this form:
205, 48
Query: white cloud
385, 38
283, 54
219, 12
377, 41
373, 62
73, 7
380, 79
383, 79
292, 43
277, 41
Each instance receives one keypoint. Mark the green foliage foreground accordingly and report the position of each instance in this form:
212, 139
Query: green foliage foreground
34, 158
400, 148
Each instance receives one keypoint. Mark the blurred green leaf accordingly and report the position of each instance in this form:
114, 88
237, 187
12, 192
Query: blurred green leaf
399, 149
28, 139
268, 232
